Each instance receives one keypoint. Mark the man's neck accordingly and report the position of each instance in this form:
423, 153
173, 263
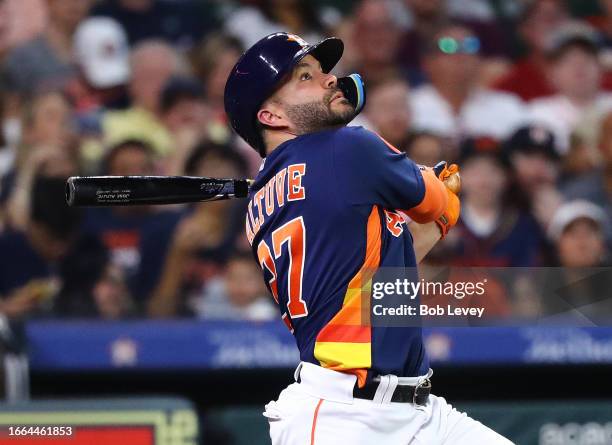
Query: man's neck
273, 140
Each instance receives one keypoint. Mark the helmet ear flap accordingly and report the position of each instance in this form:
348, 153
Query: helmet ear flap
353, 88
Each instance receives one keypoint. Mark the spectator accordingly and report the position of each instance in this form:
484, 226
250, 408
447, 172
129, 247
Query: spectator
46, 61
102, 56
453, 104
121, 228
536, 167
426, 148
29, 259
238, 294
213, 60
603, 23
180, 23
250, 23
388, 111
47, 140
186, 117
201, 241
428, 16
528, 78
152, 64
577, 229
93, 287
596, 186
375, 39
491, 232
576, 74
102, 60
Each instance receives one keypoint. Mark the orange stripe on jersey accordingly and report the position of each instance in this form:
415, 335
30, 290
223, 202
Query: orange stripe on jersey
345, 343
434, 202
391, 146
340, 333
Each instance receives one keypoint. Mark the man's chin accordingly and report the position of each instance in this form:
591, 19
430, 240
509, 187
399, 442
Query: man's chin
342, 111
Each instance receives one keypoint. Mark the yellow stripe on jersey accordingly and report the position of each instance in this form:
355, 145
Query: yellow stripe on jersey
345, 343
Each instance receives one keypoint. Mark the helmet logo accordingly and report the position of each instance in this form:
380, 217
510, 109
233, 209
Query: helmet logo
298, 39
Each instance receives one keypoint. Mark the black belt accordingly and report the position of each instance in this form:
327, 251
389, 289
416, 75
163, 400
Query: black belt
402, 394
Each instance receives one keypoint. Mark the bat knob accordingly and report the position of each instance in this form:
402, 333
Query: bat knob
70, 191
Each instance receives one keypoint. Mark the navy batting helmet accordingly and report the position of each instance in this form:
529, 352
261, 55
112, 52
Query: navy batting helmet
259, 72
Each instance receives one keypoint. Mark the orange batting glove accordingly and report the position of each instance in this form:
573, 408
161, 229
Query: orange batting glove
452, 180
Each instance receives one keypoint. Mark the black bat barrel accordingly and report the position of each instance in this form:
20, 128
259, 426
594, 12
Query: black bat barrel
140, 190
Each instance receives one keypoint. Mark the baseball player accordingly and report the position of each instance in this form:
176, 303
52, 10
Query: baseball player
323, 214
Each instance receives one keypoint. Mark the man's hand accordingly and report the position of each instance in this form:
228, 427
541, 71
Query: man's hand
449, 175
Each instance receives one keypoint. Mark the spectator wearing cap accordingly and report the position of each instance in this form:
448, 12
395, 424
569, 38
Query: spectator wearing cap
581, 290
535, 166
46, 61
453, 104
491, 232
186, 117
577, 229
596, 186
152, 64
538, 21
576, 74
103, 58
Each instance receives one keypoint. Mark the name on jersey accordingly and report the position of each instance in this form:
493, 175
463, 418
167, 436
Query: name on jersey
285, 186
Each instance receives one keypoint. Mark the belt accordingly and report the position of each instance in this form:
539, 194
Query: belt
403, 393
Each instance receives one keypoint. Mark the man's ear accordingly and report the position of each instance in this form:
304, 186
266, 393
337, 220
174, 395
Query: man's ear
271, 116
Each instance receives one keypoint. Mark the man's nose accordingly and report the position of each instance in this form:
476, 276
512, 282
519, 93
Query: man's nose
330, 81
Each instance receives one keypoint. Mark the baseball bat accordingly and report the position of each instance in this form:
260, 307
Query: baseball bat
98, 191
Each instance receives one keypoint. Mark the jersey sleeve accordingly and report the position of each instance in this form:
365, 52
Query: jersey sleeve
368, 170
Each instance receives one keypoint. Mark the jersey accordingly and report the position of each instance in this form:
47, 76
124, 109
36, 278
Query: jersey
322, 212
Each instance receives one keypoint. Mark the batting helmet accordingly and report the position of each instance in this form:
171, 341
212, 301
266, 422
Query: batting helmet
259, 72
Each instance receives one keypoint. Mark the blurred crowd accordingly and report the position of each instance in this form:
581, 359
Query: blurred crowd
518, 92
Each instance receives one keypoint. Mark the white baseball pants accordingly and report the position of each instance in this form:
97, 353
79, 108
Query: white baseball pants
321, 410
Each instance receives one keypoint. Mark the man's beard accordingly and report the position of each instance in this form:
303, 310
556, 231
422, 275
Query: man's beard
317, 116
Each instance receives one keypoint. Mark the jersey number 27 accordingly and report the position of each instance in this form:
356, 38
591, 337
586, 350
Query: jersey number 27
292, 233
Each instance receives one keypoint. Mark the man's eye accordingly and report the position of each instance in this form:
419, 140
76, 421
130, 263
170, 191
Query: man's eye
305, 76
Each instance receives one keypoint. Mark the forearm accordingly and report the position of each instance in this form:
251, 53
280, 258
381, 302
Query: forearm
425, 237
